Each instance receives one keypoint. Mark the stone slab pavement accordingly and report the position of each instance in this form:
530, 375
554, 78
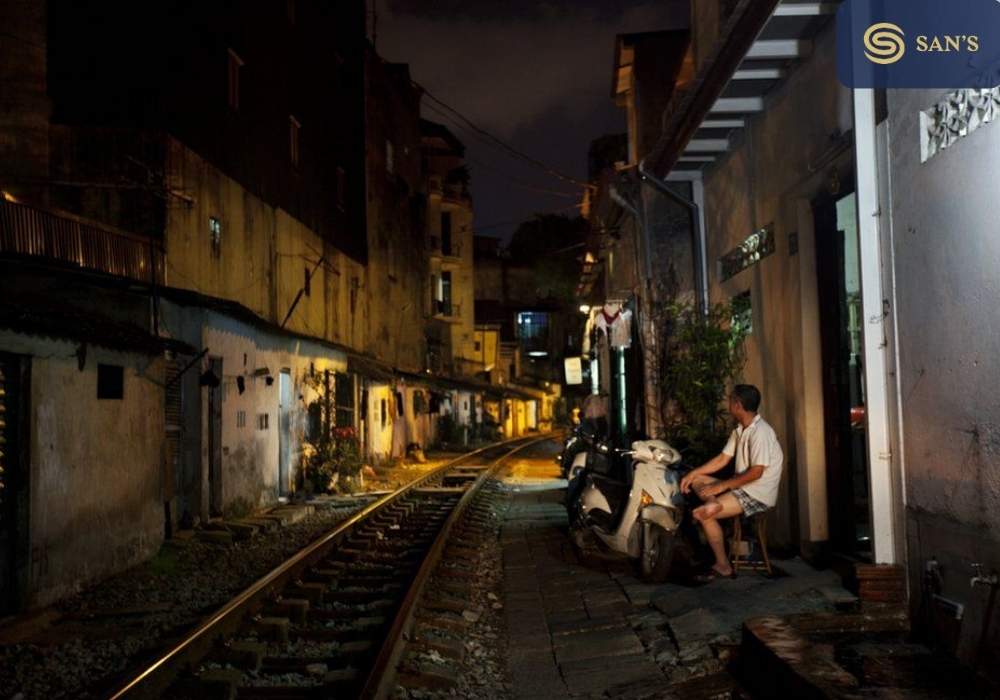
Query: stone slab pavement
589, 628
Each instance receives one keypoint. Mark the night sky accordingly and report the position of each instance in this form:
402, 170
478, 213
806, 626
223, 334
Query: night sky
535, 74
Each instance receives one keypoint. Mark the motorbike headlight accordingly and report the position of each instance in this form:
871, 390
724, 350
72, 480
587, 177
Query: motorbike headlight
645, 499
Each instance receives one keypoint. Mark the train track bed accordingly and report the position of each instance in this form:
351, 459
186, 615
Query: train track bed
317, 626
455, 648
68, 649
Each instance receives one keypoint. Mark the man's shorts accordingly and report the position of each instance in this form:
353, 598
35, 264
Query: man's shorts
749, 504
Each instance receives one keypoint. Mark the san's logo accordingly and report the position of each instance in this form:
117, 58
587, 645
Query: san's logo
884, 43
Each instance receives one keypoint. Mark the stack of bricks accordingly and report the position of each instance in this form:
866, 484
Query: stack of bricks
880, 583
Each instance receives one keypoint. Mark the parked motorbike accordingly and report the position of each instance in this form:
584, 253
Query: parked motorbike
578, 442
631, 501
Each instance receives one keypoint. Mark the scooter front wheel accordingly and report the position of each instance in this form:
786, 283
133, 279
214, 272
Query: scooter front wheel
657, 552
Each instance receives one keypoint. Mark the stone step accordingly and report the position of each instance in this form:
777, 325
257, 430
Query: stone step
776, 660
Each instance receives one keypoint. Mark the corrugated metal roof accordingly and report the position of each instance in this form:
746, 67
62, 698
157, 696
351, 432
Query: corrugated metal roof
49, 319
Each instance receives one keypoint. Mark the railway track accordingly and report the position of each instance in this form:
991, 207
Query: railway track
334, 620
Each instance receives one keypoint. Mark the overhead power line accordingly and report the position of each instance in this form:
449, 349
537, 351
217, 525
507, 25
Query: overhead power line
500, 171
503, 145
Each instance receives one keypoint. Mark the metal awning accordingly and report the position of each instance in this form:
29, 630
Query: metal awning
733, 87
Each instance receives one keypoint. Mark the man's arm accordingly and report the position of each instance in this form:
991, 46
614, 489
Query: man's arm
749, 476
710, 467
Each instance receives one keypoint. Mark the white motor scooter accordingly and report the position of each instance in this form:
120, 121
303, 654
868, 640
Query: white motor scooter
640, 518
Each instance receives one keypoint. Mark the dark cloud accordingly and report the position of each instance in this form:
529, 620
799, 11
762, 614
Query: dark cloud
536, 74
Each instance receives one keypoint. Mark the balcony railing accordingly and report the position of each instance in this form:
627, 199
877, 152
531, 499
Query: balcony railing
28, 231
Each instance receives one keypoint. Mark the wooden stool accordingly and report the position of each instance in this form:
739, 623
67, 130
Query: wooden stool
758, 524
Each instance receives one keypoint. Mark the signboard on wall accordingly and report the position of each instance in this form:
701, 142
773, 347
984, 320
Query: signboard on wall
574, 370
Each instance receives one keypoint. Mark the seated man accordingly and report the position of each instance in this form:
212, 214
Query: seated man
754, 487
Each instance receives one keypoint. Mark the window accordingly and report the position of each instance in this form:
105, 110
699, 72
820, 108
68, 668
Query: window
446, 233
263, 421
293, 140
241, 419
479, 346
215, 235
384, 413
533, 332
743, 313
235, 64
344, 399
314, 421
444, 294
307, 284
390, 165
110, 381
341, 187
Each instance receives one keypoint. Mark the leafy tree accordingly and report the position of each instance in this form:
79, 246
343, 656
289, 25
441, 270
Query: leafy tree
550, 244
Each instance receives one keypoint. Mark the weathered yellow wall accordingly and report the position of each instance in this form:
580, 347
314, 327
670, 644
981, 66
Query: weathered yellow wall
264, 256
463, 290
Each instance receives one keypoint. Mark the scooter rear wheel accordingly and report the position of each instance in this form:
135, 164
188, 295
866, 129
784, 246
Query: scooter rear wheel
657, 552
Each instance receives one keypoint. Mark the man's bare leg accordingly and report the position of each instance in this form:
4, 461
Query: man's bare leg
725, 506
711, 505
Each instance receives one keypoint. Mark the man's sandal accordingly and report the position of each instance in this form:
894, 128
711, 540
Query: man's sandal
713, 574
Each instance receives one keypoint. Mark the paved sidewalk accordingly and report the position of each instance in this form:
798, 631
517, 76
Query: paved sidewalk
567, 626
591, 629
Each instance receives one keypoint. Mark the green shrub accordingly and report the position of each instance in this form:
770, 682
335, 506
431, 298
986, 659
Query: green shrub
700, 355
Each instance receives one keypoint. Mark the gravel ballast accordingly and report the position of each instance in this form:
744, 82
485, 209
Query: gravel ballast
103, 630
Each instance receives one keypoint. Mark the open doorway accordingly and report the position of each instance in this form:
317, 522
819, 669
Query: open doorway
838, 266
284, 430
215, 440
14, 476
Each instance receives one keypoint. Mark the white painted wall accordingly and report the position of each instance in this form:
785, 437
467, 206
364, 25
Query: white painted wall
249, 453
947, 290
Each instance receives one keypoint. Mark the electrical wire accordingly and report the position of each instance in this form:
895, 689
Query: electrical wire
503, 145
513, 180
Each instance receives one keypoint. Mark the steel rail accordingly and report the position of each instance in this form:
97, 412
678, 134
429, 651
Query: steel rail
154, 679
378, 685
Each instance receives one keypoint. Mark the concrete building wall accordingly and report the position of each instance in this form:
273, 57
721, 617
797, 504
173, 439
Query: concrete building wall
96, 466
24, 103
250, 443
249, 452
262, 256
946, 256
770, 178
463, 293
488, 355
